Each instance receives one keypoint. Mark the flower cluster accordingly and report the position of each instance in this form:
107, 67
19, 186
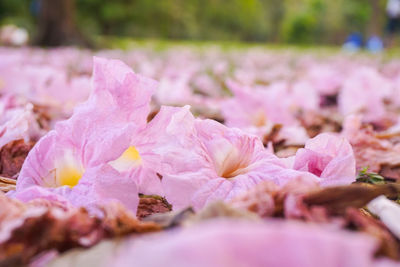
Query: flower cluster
107, 150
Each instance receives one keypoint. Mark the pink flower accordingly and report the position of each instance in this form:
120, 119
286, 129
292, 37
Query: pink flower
221, 163
75, 160
145, 159
303, 96
257, 110
325, 78
329, 157
46, 85
364, 92
257, 107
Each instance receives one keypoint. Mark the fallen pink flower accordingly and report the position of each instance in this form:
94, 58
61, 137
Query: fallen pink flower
329, 157
221, 163
370, 151
72, 160
363, 93
257, 107
325, 78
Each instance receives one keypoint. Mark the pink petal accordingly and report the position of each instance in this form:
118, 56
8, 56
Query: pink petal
239, 243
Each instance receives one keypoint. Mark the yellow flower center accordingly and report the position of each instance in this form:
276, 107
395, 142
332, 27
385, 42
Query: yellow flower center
68, 170
131, 154
127, 160
68, 175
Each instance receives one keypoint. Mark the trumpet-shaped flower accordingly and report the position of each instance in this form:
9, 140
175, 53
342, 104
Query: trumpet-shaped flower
329, 157
144, 160
83, 157
258, 108
221, 164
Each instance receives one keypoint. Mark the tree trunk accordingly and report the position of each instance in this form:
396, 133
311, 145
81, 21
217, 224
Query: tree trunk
57, 26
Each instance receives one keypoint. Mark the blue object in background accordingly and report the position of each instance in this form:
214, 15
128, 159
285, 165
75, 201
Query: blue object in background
353, 42
374, 44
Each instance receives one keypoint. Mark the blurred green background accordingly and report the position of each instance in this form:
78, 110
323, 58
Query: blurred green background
278, 21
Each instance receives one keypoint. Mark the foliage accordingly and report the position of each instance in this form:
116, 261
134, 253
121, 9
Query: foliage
16, 12
292, 21
369, 177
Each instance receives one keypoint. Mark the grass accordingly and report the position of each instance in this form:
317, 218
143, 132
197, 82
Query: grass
127, 43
